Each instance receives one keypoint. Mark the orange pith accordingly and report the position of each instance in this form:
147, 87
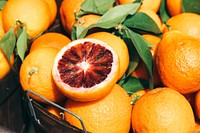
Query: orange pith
77, 76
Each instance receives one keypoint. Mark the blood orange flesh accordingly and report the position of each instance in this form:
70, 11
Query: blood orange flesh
86, 69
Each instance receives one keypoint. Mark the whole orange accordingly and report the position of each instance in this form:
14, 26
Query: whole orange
5, 64
68, 9
35, 15
177, 61
50, 39
162, 110
188, 23
154, 6
53, 9
174, 7
118, 45
35, 75
55, 111
111, 113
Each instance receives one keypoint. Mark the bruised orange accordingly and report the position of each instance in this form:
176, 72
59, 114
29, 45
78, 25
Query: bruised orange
111, 113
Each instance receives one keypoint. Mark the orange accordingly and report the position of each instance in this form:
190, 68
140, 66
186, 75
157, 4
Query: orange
153, 16
2, 32
35, 15
140, 71
197, 106
55, 111
111, 113
174, 7
136, 95
188, 23
35, 75
154, 6
118, 45
68, 9
50, 39
86, 69
53, 9
162, 110
87, 20
5, 64
177, 61
197, 127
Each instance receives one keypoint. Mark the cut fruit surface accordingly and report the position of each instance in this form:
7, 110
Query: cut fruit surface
86, 69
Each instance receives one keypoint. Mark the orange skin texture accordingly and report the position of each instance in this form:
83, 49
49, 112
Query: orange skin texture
5, 64
154, 6
178, 62
174, 7
2, 32
188, 23
67, 13
53, 9
104, 115
33, 13
55, 111
40, 81
162, 110
50, 39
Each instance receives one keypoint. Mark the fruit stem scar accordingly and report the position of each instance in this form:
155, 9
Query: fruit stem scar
34, 70
19, 23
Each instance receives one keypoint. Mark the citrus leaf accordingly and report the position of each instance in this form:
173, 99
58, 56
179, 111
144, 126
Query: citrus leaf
7, 43
163, 11
113, 17
191, 6
143, 50
22, 44
96, 6
142, 21
2, 3
133, 84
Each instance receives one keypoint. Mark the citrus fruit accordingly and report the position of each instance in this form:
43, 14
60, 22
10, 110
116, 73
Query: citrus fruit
197, 127
174, 7
197, 104
86, 69
154, 6
177, 61
35, 75
140, 71
188, 23
50, 39
2, 32
111, 113
33, 13
136, 95
53, 9
153, 16
118, 45
55, 111
68, 9
162, 110
5, 64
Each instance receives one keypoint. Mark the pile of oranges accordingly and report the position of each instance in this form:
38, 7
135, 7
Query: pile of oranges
105, 105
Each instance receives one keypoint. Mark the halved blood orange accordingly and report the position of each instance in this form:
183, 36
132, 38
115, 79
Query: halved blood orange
86, 69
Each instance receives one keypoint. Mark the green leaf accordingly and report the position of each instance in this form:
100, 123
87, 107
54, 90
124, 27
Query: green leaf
96, 6
133, 84
191, 6
7, 43
142, 21
163, 11
22, 44
143, 50
113, 17
2, 3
